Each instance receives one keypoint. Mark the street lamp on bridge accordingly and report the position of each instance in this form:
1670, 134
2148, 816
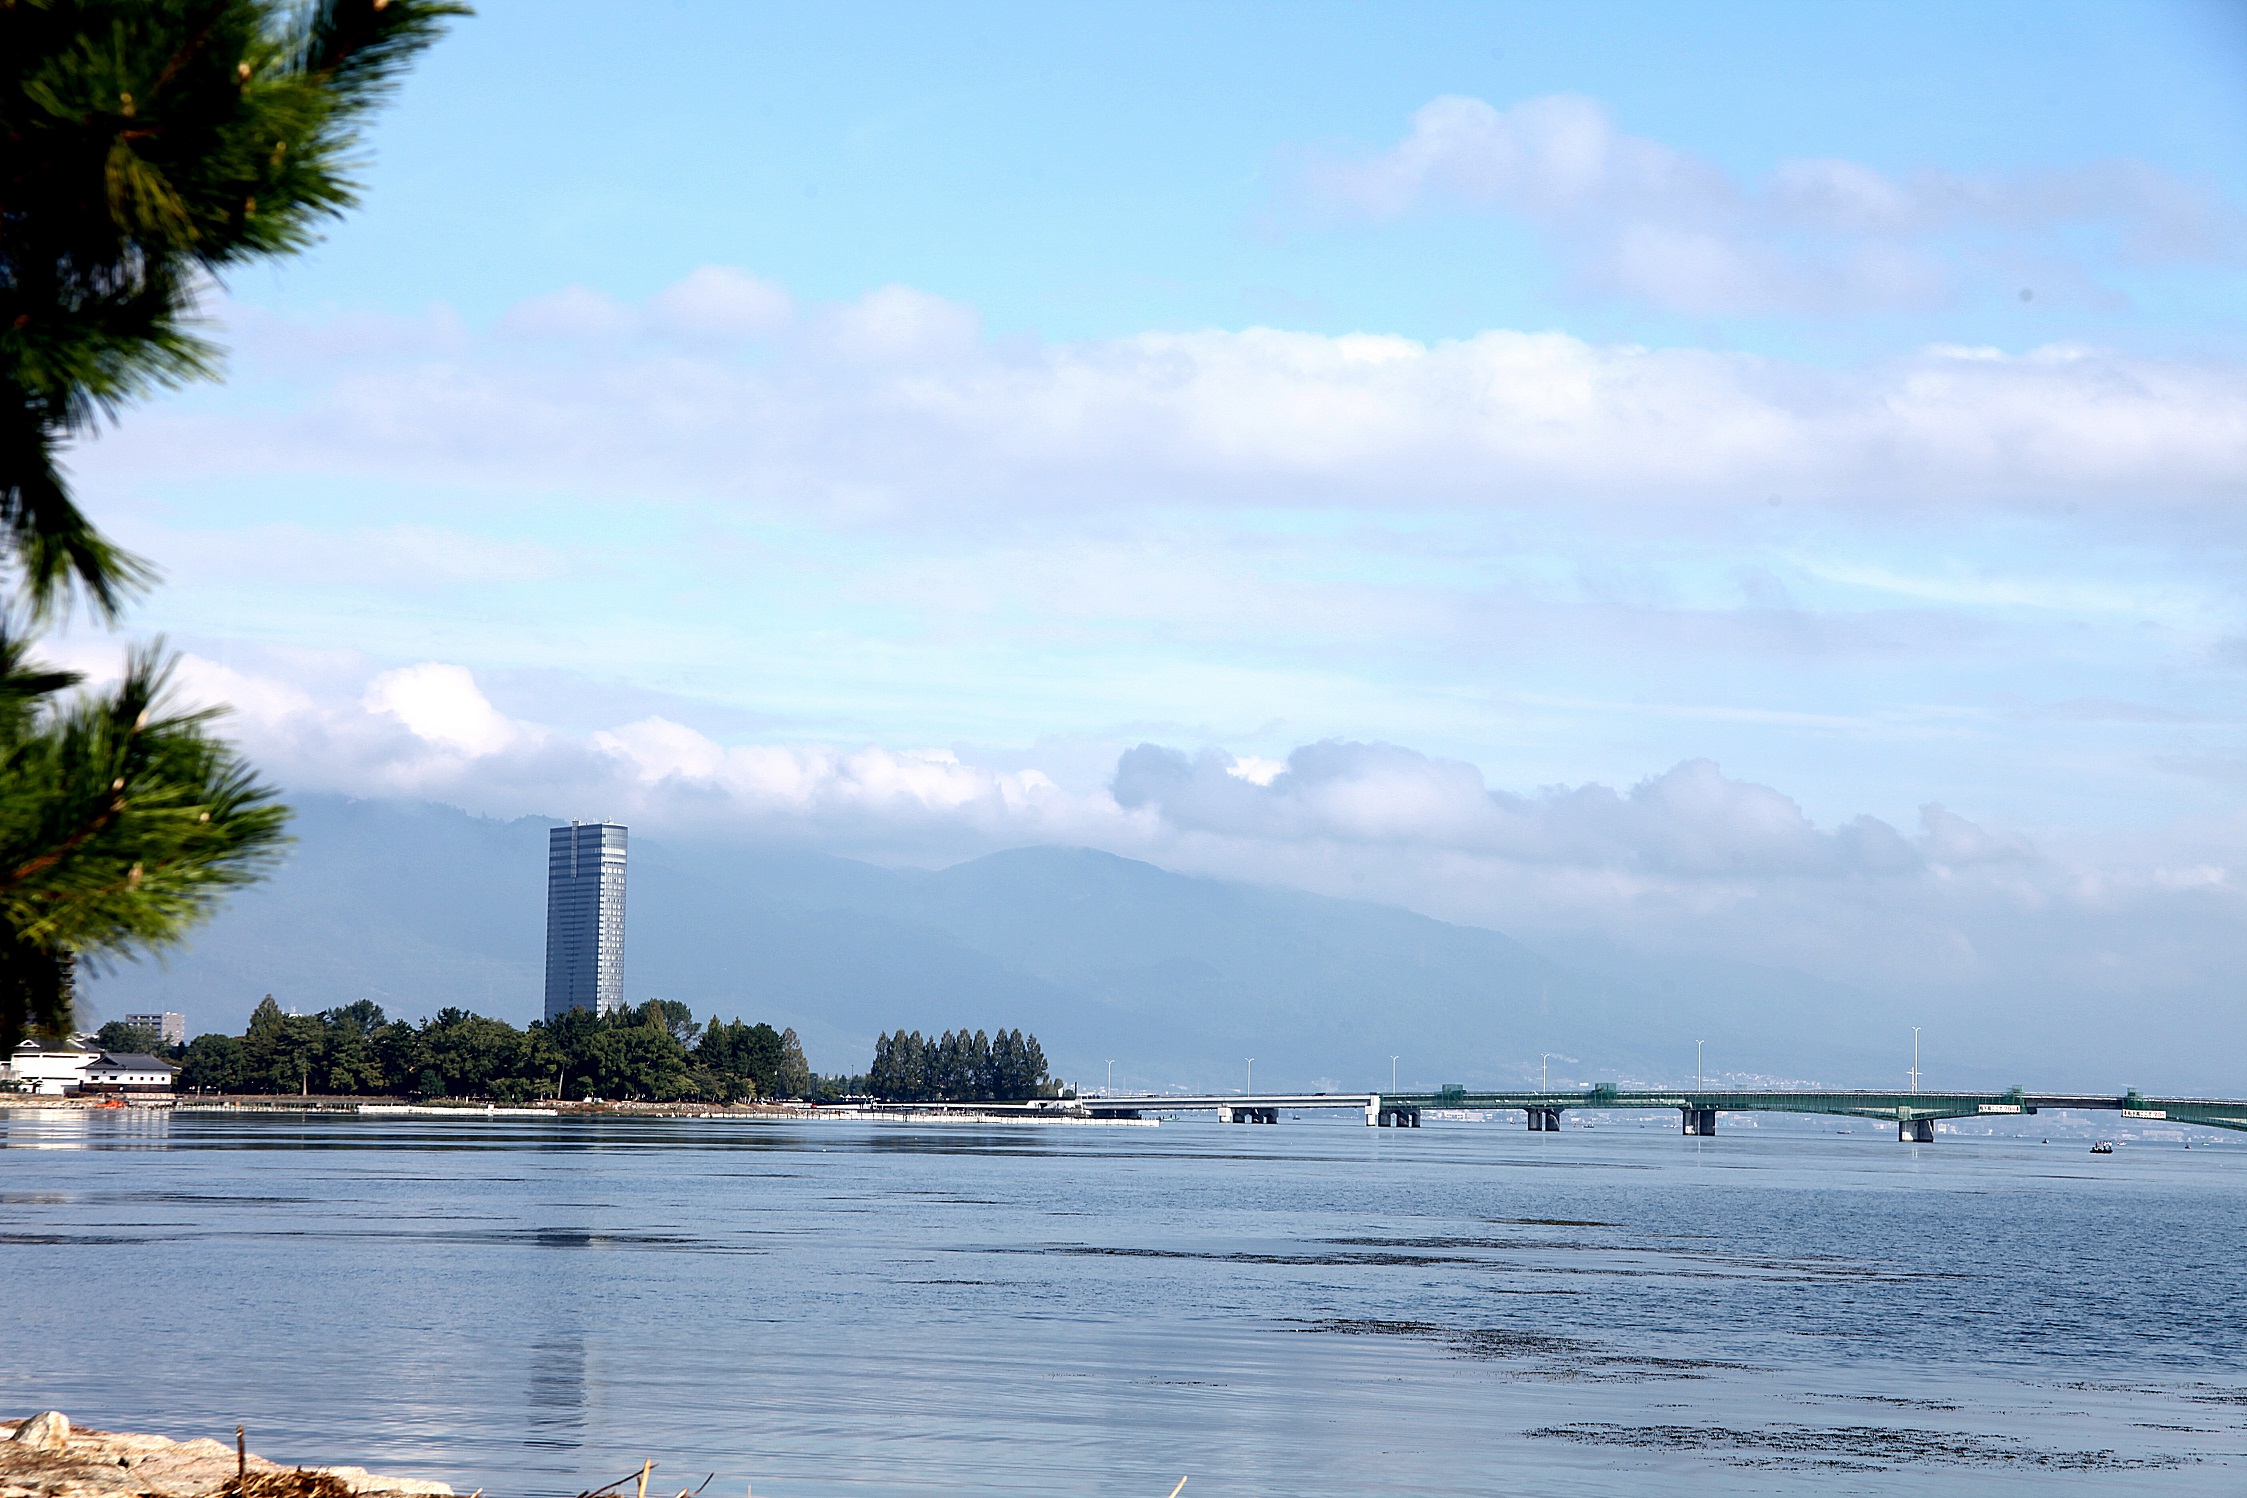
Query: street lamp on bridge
1392, 1074
1110, 1089
1252, 1076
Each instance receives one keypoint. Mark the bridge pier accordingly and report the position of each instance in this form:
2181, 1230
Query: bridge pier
1700, 1121
1543, 1120
1236, 1114
1393, 1115
1915, 1130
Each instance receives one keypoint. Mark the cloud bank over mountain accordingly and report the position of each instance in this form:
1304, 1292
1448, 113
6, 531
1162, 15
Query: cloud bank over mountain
1944, 919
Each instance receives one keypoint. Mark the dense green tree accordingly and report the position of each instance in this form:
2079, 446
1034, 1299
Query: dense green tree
1017, 1066
351, 1050
640, 1053
264, 1045
957, 1066
130, 1040
743, 1061
471, 1053
792, 1077
213, 1063
637, 1054
147, 147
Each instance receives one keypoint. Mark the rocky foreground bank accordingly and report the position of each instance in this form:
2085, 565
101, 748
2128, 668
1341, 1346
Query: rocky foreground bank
45, 1456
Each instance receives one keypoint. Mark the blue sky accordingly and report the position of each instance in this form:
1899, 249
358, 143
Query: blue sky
1092, 170
864, 425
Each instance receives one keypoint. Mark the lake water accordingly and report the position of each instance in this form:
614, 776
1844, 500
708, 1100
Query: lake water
534, 1306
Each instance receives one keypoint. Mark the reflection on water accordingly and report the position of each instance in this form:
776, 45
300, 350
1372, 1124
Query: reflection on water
83, 1128
534, 1306
556, 1393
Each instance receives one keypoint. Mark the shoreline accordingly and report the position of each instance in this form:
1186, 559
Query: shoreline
45, 1456
748, 1113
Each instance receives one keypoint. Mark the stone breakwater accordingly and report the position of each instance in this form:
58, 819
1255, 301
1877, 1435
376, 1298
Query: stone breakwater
45, 1456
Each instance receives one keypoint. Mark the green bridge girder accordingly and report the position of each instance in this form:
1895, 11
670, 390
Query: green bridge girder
1891, 1107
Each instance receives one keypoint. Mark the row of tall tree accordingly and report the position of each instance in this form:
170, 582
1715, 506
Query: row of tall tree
957, 1067
656, 1053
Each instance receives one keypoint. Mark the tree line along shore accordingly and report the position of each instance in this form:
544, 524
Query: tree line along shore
655, 1052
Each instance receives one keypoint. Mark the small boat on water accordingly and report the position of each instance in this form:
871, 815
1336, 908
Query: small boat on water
2103, 1147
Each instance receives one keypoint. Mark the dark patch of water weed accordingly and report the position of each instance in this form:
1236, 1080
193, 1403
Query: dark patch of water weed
1557, 1356
1848, 1446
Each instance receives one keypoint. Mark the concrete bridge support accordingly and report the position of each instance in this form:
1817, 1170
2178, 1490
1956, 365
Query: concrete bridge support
1248, 1115
1543, 1120
1700, 1121
1394, 1116
1915, 1130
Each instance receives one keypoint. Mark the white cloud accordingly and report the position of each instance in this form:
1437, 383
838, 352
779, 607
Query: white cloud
1554, 156
893, 405
1691, 822
572, 312
441, 705
1255, 769
1643, 218
714, 304
717, 301
800, 783
898, 324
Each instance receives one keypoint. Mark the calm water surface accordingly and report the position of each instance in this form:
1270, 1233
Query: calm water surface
533, 1306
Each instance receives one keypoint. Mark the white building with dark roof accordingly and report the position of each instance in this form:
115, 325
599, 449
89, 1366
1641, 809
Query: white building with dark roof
112, 1072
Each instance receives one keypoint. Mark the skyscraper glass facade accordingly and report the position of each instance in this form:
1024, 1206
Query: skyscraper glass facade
585, 918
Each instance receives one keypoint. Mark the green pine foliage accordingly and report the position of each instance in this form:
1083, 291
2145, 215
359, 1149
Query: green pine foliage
147, 147
122, 824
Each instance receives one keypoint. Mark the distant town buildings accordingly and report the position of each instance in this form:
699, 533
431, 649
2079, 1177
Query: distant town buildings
171, 1027
585, 918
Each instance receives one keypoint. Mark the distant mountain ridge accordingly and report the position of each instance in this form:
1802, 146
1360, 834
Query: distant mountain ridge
1177, 978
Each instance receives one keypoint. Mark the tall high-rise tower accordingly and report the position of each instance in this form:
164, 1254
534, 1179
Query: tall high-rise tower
585, 919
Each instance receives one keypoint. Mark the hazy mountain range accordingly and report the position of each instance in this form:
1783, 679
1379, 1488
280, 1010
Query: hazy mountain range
1177, 979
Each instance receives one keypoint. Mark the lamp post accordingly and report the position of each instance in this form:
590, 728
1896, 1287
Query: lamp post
1110, 1089
1252, 1076
1698, 1084
1915, 1058
1544, 1080
1392, 1074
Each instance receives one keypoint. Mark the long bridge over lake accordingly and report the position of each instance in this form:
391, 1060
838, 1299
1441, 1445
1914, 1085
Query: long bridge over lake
1913, 1113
